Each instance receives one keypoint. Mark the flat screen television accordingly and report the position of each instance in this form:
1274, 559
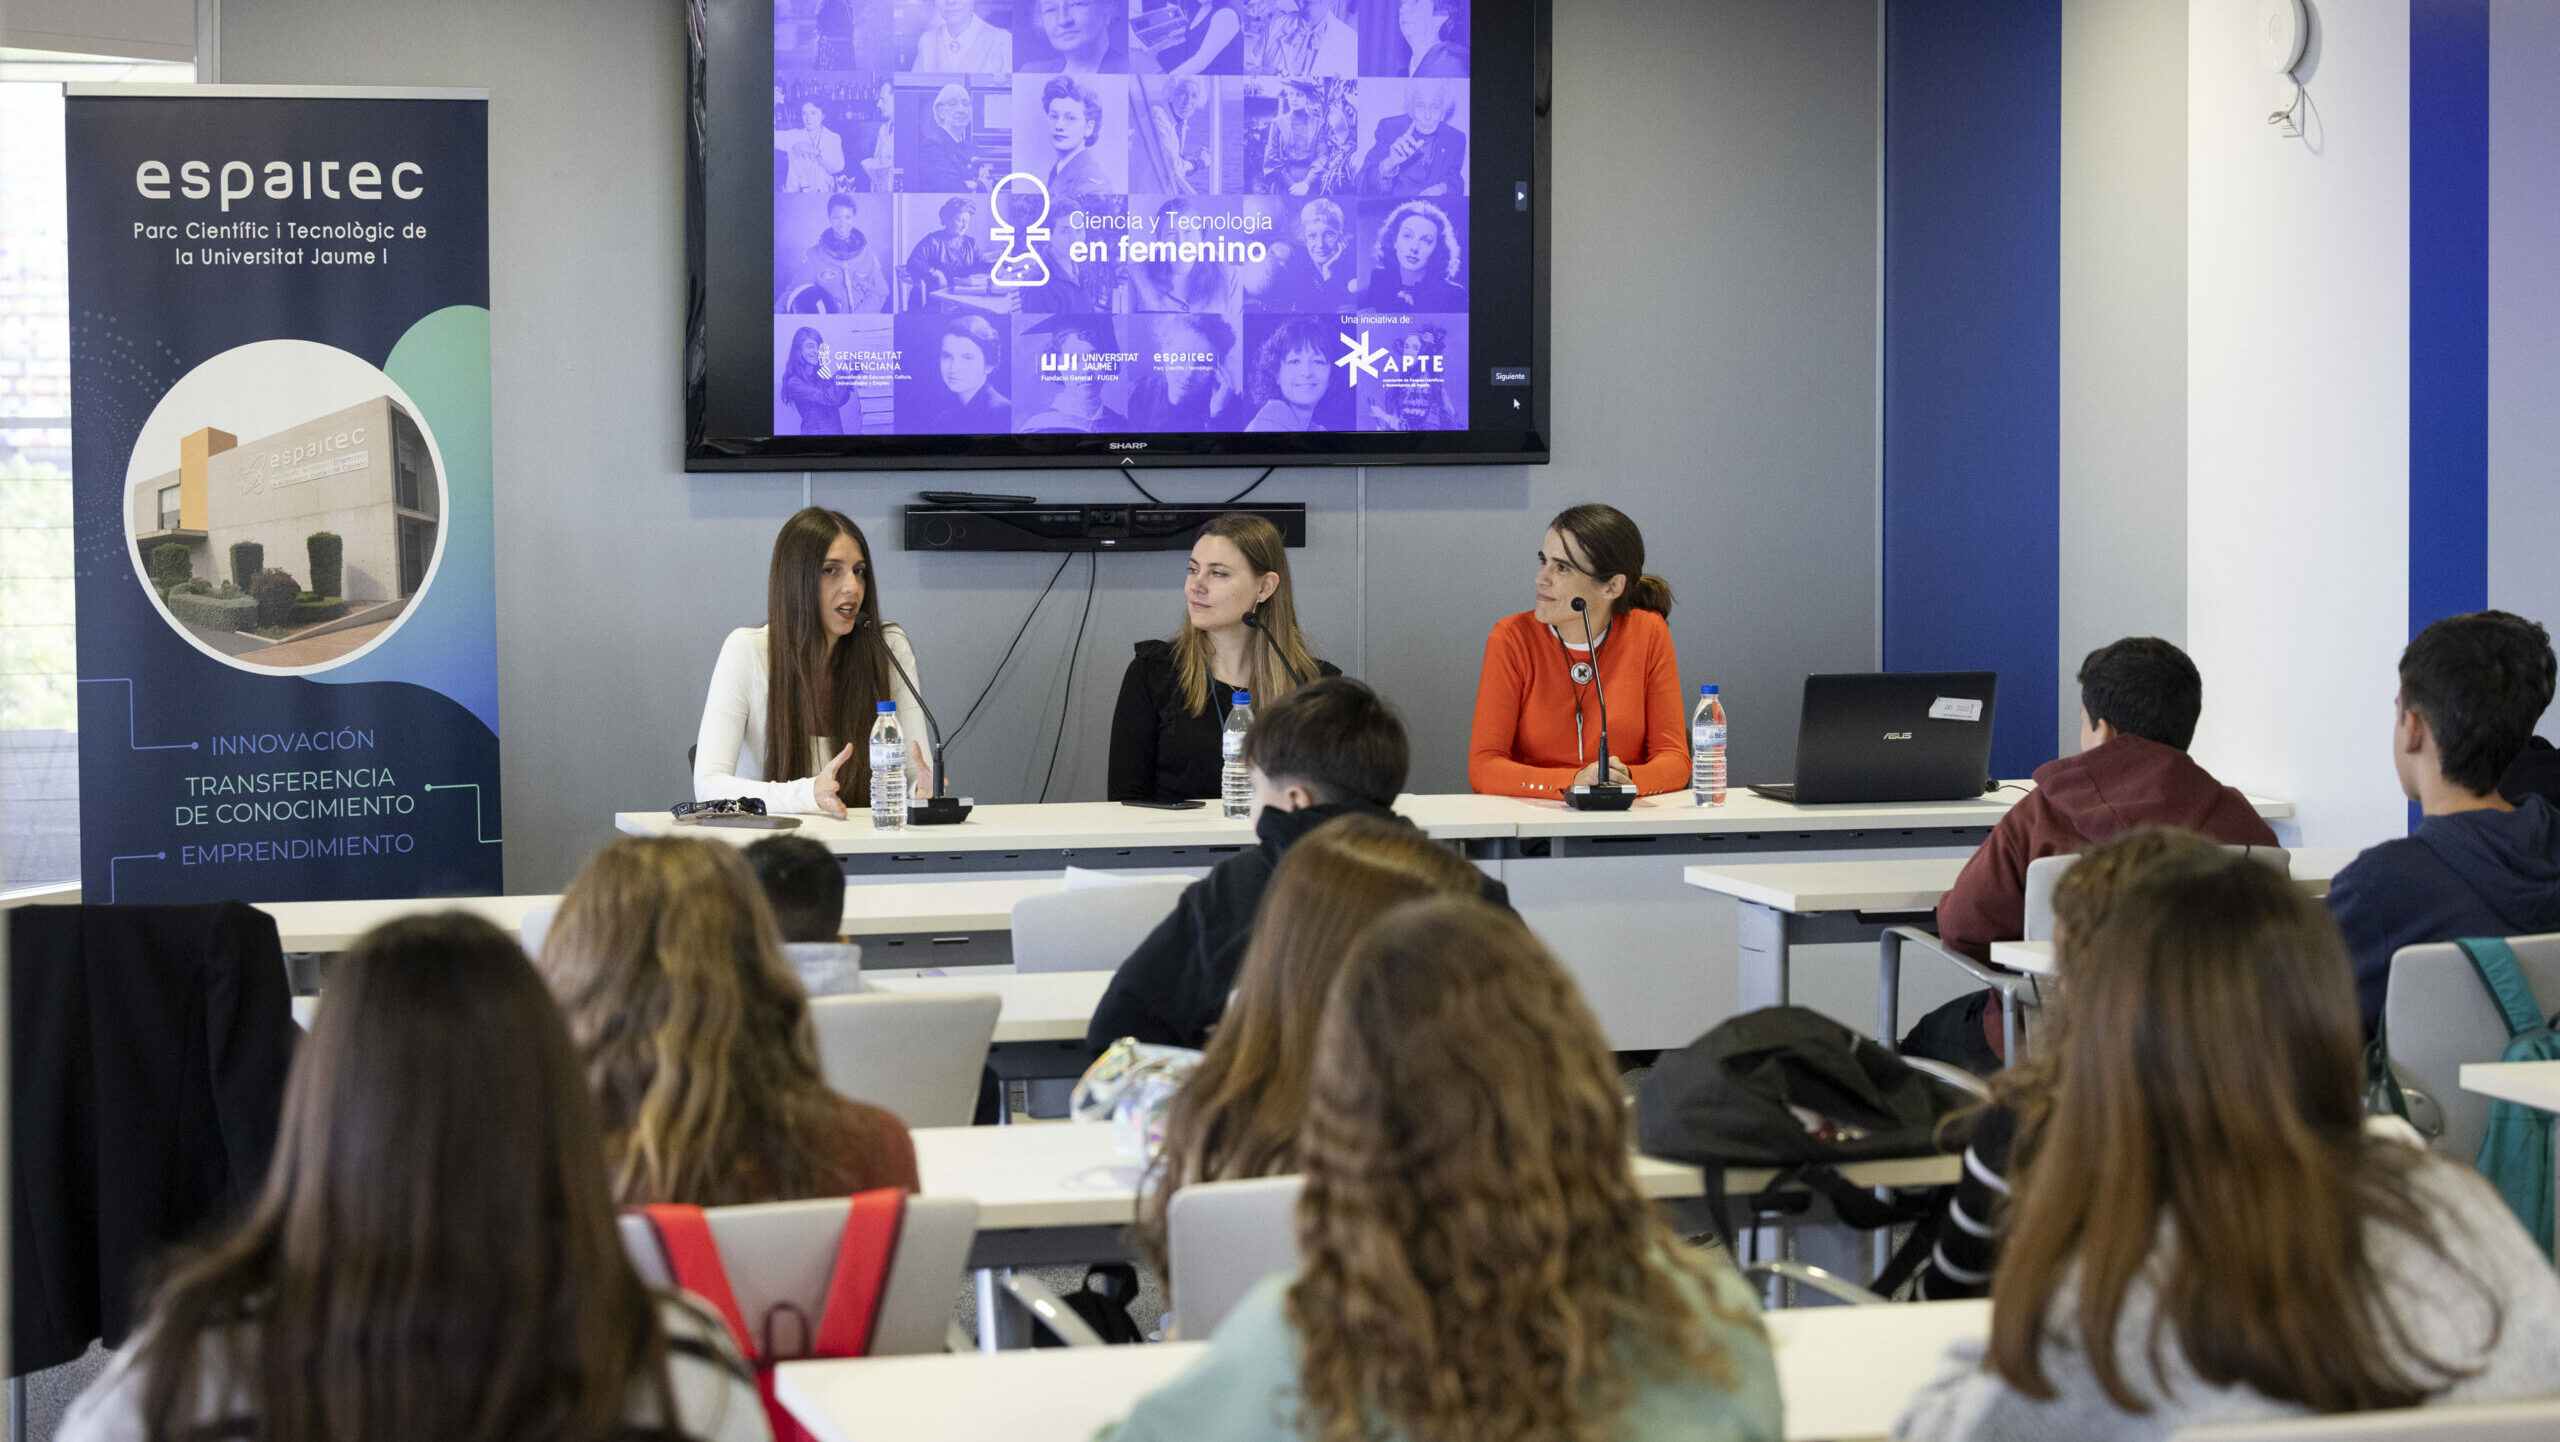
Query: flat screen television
987, 233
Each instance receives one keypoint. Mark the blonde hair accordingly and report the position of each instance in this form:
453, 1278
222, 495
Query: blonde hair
1479, 1266
1238, 1115
694, 1033
1264, 554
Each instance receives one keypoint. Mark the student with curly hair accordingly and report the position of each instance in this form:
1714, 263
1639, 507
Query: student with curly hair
696, 1039
1478, 1265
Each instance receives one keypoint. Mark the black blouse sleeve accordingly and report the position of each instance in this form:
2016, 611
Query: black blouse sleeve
1968, 1246
1133, 737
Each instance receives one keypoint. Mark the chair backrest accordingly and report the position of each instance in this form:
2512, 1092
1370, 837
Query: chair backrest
2437, 1016
785, 1252
535, 926
2045, 873
1221, 1238
918, 1056
1093, 929
2489, 1422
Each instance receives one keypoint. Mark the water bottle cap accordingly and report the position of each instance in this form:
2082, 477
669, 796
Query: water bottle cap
1706, 690
1241, 698
886, 707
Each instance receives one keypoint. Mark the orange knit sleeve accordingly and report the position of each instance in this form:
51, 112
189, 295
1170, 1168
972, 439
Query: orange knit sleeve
1665, 759
1501, 690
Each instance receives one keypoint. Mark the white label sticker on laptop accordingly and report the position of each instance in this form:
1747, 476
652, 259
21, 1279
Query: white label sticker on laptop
1949, 708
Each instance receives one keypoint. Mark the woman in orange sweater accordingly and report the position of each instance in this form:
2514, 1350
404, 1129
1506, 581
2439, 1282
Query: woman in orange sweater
1537, 726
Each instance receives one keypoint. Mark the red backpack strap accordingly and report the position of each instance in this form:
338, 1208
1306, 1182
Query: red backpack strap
684, 1234
871, 1221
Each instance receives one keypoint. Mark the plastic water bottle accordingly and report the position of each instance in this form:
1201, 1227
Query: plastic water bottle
888, 771
1706, 749
1235, 783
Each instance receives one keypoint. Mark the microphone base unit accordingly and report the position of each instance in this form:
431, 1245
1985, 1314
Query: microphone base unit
939, 811
1600, 798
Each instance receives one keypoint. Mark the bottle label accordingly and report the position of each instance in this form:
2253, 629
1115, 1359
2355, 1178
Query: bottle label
884, 755
1705, 736
1231, 745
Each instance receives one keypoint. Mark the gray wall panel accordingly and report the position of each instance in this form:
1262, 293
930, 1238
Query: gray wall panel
1714, 376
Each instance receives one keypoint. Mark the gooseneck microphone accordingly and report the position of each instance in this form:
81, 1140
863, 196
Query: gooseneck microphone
1254, 620
1602, 794
939, 809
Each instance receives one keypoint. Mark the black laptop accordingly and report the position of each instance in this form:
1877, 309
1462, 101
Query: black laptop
1892, 736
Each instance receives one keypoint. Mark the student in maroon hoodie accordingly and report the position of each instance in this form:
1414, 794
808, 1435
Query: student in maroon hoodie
2139, 699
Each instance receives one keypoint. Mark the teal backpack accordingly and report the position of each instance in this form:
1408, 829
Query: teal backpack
2515, 1152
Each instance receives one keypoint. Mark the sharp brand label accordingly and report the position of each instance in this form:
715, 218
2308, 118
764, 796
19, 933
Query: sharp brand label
1128, 445
1897, 735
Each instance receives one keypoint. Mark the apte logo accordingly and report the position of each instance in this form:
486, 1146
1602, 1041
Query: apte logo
1358, 358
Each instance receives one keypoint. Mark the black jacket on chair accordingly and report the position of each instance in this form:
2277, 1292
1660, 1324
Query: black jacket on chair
148, 1047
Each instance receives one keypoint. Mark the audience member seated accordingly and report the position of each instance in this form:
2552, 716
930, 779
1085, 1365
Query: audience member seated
1238, 1115
1476, 1260
434, 1254
2471, 688
696, 1037
804, 884
1968, 1243
2139, 700
1331, 748
2202, 1229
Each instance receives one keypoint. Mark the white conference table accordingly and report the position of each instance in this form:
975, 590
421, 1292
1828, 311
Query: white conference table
1600, 888
1781, 905
1058, 1192
901, 909
1843, 1372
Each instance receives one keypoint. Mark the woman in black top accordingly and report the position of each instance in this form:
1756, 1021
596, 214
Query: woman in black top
1175, 697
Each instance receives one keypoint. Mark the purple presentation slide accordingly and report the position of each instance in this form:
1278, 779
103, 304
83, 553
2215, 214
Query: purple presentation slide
1142, 216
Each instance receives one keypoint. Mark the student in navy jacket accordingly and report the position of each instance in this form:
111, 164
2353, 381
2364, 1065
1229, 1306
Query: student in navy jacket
1330, 748
2471, 689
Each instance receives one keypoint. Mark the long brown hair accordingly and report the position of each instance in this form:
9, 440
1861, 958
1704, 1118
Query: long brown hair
694, 1033
1264, 554
813, 689
1612, 546
433, 1256
1478, 1263
1238, 1115
2206, 1074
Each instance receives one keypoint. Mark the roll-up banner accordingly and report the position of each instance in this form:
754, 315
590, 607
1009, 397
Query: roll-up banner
280, 460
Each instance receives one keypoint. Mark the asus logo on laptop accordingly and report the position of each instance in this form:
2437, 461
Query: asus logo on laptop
1897, 735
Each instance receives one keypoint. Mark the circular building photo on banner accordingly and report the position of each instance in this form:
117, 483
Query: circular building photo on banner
285, 503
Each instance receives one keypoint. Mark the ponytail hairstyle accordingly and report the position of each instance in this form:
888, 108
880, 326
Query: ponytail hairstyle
1264, 554
1612, 546
813, 689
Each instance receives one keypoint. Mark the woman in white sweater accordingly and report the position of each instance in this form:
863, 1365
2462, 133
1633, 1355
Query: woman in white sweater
813, 673
2200, 1228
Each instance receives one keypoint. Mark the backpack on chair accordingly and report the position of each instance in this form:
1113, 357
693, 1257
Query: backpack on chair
1790, 1088
2515, 1151
846, 1319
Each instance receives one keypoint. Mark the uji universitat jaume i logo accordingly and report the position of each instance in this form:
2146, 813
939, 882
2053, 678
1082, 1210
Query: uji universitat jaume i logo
1358, 358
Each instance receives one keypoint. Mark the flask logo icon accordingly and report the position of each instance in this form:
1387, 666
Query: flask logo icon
1020, 265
